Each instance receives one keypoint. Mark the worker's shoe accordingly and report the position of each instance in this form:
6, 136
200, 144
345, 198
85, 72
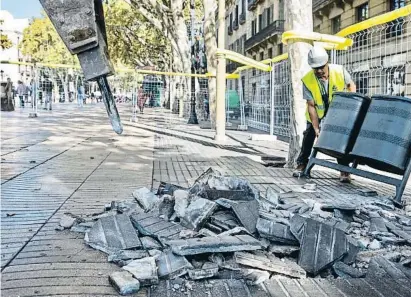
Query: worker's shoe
298, 172
345, 177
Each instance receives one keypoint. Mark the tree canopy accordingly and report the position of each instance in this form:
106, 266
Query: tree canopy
5, 42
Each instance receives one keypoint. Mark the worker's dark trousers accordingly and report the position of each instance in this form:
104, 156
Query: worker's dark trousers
307, 146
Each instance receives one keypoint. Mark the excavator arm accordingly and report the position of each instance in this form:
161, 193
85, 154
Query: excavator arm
81, 26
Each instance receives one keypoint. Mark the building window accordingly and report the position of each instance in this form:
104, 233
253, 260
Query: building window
254, 58
243, 9
231, 20
260, 22
253, 28
362, 12
336, 24
236, 12
261, 56
396, 28
270, 52
269, 15
280, 49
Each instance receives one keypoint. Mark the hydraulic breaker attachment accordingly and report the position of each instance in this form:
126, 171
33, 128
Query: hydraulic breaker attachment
81, 26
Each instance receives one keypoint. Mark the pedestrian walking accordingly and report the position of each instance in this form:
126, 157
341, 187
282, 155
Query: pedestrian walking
141, 100
80, 95
21, 89
319, 84
47, 88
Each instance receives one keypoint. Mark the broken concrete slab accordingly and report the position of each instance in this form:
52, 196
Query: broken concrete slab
184, 234
236, 195
182, 200
321, 246
166, 206
377, 224
171, 266
67, 221
270, 217
120, 257
149, 224
283, 250
345, 271
254, 277
168, 189
150, 243
214, 244
399, 232
276, 232
297, 226
205, 232
225, 220
339, 224
197, 213
145, 270
82, 227
235, 231
208, 270
113, 233
341, 205
245, 211
374, 245
271, 263
124, 283
145, 198
366, 192
353, 249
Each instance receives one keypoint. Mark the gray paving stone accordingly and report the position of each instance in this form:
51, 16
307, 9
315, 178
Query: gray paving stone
276, 232
145, 270
198, 212
124, 283
171, 265
214, 244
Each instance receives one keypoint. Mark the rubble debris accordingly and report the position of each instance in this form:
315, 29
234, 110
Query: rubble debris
184, 234
197, 213
214, 228
208, 270
271, 263
235, 231
206, 232
321, 246
123, 257
276, 232
182, 200
82, 227
403, 220
346, 271
400, 233
271, 197
154, 253
353, 249
310, 186
341, 205
377, 223
150, 243
235, 195
214, 244
145, 270
283, 250
339, 224
67, 221
171, 266
374, 245
113, 233
297, 226
166, 207
381, 268
124, 283
225, 220
217, 258
367, 192
254, 277
145, 198
168, 189
245, 211
149, 224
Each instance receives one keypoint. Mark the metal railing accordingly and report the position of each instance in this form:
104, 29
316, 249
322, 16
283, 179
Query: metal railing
272, 29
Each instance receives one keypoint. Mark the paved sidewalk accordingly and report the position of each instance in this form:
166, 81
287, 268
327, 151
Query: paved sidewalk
69, 160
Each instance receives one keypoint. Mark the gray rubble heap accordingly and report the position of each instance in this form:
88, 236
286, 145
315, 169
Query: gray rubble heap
222, 228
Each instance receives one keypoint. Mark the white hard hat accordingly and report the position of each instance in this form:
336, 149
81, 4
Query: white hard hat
317, 57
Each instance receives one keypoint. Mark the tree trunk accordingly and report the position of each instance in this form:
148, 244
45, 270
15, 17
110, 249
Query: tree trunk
299, 18
210, 47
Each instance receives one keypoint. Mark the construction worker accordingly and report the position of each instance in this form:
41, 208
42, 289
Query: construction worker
319, 84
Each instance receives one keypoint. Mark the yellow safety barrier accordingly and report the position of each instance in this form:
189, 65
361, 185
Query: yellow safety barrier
375, 21
40, 64
236, 57
335, 42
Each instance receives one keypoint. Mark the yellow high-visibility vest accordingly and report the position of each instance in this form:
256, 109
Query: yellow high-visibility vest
336, 83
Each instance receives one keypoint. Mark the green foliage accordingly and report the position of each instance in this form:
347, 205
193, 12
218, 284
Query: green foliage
5, 42
42, 43
132, 40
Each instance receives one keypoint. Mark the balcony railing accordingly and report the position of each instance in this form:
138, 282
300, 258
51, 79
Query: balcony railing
235, 24
269, 31
242, 18
317, 4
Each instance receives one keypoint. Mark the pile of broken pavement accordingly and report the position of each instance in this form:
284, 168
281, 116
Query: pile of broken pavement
222, 228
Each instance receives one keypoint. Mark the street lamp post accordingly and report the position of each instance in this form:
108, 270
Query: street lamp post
193, 115
220, 77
